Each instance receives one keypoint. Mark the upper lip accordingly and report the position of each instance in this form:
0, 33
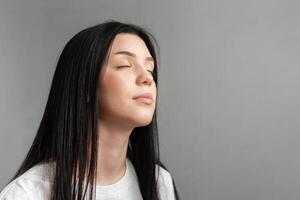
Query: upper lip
144, 95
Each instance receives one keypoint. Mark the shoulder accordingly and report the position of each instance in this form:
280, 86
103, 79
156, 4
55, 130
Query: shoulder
164, 183
33, 184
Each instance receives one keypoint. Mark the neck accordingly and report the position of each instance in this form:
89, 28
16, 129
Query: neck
113, 144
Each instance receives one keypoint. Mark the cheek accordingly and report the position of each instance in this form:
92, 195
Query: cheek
114, 86
154, 88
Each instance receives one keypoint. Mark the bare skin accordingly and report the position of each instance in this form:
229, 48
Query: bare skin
119, 112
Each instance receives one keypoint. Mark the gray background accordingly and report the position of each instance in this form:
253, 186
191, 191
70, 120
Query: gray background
229, 101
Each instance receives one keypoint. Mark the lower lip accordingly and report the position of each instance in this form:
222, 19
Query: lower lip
144, 100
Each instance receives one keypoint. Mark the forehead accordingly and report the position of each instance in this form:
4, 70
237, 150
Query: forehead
129, 42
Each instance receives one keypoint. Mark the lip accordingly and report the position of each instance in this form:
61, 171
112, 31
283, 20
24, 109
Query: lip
144, 95
145, 98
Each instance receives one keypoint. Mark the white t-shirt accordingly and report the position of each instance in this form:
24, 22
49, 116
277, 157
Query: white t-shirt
35, 184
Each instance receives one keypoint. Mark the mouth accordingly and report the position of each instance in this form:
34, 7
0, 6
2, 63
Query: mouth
144, 100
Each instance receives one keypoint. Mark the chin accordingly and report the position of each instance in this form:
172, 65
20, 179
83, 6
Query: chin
143, 122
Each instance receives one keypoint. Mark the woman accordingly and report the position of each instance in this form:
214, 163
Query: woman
98, 136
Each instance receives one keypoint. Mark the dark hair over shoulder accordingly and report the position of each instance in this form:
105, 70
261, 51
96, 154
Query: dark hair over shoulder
72, 109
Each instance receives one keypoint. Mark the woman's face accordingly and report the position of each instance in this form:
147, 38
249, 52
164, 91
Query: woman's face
127, 74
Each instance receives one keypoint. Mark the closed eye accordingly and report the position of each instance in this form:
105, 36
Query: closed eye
123, 66
150, 71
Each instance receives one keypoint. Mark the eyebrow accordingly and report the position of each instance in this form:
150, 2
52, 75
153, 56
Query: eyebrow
128, 53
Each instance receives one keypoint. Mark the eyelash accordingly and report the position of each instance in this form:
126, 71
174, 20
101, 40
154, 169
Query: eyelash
151, 72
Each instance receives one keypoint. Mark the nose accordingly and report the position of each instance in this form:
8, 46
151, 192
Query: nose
145, 77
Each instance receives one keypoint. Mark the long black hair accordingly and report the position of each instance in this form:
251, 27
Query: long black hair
68, 132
